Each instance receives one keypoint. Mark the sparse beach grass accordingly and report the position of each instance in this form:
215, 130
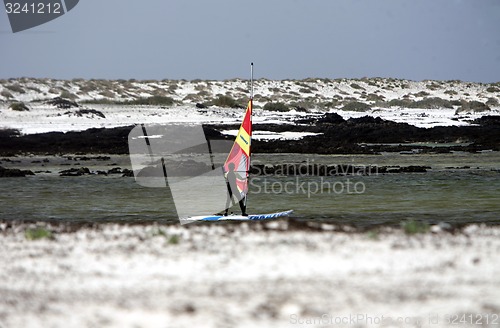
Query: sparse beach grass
38, 233
412, 227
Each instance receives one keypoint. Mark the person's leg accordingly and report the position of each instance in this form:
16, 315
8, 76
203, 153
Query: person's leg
229, 199
243, 207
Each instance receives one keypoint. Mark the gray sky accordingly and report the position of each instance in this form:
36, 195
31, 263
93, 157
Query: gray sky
217, 39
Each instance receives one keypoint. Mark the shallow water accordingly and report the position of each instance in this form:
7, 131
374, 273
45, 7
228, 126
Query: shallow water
455, 195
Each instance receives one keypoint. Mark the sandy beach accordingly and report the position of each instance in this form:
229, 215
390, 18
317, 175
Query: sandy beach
248, 275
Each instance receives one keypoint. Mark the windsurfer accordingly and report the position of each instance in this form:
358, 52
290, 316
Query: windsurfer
232, 189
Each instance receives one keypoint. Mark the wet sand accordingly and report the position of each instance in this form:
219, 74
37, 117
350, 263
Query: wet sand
247, 275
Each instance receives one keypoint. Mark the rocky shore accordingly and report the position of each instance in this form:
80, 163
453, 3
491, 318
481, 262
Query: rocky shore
365, 135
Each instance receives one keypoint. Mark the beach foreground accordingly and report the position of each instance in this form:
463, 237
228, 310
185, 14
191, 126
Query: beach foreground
247, 275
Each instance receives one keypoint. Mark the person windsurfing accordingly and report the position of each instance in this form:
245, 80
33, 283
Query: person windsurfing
232, 189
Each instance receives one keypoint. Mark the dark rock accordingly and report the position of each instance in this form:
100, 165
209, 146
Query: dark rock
367, 120
10, 173
7, 133
127, 173
488, 120
110, 141
393, 169
365, 135
62, 103
90, 112
115, 170
331, 118
86, 158
74, 172
415, 169
404, 169
187, 168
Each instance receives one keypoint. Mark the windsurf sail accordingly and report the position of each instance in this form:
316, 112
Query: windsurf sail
241, 151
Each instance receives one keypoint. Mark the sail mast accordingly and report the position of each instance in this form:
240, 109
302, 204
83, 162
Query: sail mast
251, 110
251, 81
240, 153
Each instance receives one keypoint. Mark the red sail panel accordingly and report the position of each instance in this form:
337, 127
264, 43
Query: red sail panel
240, 152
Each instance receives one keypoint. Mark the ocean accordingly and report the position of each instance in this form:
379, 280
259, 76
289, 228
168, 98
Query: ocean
458, 188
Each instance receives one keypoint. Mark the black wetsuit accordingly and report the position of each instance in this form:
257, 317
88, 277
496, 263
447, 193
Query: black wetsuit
232, 188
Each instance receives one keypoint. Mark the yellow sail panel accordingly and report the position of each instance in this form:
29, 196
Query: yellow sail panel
243, 140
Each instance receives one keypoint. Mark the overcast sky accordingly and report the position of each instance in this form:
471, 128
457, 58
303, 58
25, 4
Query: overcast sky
217, 39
